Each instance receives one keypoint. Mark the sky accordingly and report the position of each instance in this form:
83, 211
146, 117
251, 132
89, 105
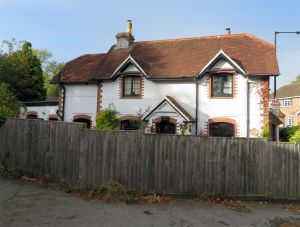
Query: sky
70, 28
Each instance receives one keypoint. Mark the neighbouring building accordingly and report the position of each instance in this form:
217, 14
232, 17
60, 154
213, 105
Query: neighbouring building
45, 110
289, 99
215, 85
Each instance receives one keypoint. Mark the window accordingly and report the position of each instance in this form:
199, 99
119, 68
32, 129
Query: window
222, 85
130, 125
131, 86
289, 121
287, 102
221, 129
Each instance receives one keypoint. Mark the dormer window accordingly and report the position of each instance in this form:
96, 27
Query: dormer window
132, 86
222, 85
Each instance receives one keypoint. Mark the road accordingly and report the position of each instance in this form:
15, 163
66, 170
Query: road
26, 204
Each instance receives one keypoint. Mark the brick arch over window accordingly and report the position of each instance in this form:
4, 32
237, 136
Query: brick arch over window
224, 120
128, 118
84, 119
53, 117
31, 114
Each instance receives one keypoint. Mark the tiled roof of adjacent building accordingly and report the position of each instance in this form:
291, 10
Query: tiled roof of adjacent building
289, 90
174, 58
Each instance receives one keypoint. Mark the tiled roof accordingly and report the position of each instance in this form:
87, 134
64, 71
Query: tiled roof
176, 57
289, 90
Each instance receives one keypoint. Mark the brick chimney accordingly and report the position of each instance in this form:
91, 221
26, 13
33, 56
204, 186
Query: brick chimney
124, 39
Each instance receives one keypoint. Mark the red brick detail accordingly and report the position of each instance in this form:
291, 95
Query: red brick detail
120, 87
82, 116
225, 120
234, 86
171, 120
99, 97
60, 99
264, 99
129, 117
52, 117
31, 113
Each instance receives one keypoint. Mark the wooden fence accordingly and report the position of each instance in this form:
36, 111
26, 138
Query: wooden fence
158, 163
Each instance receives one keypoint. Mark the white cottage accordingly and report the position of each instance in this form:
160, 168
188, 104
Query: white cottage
214, 85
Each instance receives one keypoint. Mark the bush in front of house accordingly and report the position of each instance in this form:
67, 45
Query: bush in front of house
296, 136
286, 134
107, 119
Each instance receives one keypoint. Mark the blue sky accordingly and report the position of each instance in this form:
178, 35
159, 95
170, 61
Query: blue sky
69, 28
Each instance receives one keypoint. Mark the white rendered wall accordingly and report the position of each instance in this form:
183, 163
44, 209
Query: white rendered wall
80, 100
154, 93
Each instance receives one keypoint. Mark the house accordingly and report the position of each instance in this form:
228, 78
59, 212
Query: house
289, 100
215, 85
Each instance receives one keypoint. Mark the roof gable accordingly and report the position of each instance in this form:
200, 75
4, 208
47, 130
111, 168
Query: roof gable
129, 61
169, 104
221, 56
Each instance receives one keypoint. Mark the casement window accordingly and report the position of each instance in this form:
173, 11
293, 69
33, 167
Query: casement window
289, 121
222, 85
131, 86
221, 129
287, 102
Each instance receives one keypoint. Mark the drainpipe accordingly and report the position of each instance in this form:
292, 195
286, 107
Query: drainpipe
197, 97
248, 107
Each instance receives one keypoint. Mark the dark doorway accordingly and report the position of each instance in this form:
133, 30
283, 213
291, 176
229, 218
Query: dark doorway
274, 132
165, 127
221, 129
87, 122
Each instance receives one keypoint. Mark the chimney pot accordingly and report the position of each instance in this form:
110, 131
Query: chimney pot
129, 26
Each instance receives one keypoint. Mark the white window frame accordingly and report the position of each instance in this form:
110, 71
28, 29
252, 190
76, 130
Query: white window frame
287, 102
289, 121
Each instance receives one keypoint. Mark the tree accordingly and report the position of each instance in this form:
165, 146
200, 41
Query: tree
9, 104
297, 79
50, 69
22, 71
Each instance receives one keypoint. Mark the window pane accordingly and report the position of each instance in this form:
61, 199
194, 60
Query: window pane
216, 85
136, 86
227, 87
127, 85
221, 129
221, 85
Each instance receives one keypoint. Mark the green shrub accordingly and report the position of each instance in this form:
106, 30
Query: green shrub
285, 134
107, 119
266, 131
296, 136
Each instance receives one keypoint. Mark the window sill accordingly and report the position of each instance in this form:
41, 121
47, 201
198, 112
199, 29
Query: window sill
131, 97
222, 97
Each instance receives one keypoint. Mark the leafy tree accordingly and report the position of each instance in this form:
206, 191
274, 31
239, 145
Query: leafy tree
107, 119
51, 69
9, 104
21, 70
297, 79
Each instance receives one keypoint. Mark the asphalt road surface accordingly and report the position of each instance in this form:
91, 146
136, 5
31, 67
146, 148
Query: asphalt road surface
26, 204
